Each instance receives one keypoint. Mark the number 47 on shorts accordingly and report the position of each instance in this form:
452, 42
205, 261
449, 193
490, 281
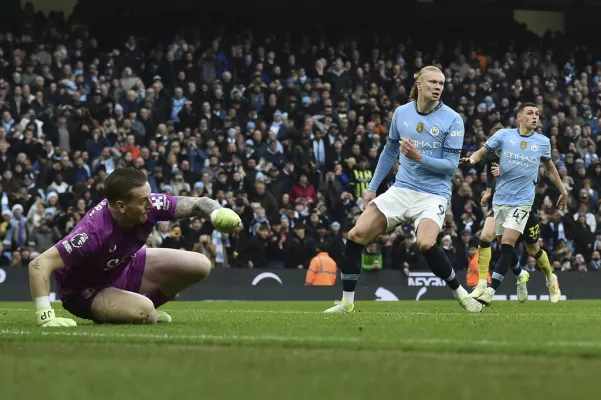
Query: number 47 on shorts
519, 215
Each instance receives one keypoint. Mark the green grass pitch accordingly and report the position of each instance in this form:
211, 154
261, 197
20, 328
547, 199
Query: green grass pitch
291, 350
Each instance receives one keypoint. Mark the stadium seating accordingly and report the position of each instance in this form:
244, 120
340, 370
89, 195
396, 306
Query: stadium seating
286, 132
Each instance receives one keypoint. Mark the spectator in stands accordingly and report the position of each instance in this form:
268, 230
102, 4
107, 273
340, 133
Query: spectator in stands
266, 199
5, 260
255, 252
408, 253
579, 264
530, 264
176, 240
462, 247
301, 248
371, 258
595, 263
205, 246
16, 260
44, 235
322, 269
303, 190
583, 237
5, 225
447, 246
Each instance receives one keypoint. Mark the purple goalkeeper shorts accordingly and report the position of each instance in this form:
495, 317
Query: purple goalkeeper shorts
80, 303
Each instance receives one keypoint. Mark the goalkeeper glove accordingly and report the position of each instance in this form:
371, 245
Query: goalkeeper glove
45, 317
225, 220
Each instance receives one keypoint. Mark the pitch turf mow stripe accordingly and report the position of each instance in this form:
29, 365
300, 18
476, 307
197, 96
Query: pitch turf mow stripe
263, 338
396, 313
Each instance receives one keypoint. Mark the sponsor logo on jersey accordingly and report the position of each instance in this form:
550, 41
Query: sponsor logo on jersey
116, 262
431, 145
457, 133
520, 157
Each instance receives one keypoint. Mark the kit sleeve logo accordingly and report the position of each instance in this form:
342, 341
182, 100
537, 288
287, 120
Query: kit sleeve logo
79, 240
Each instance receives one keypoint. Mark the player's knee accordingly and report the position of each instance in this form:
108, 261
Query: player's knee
144, 313
532, 249
426, 243
201, 267
510, 238
359, 236
487, 236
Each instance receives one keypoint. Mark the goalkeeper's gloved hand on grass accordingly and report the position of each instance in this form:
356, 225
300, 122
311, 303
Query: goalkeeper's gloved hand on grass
46, 318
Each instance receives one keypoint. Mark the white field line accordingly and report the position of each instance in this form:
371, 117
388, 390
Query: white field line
318, 312
310, 339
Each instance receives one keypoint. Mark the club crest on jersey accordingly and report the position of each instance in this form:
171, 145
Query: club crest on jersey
160, 202
420, 127
434, 131
523, 145
534, 147
79, 239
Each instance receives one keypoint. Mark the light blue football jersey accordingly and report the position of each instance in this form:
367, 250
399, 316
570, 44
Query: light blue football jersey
439, 137
519, 160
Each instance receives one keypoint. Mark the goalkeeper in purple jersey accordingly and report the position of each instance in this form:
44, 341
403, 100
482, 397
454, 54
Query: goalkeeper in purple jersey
102, 270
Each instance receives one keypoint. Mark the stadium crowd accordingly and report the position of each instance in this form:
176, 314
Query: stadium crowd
287, 134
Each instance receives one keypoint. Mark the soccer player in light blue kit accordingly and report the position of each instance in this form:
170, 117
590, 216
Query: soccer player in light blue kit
520, 153
430, 137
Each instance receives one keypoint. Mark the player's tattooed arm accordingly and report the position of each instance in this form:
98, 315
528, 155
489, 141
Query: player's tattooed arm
195, 207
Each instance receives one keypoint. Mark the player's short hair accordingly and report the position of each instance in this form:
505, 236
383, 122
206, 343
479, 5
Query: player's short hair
118, 185
416, 76
524, 105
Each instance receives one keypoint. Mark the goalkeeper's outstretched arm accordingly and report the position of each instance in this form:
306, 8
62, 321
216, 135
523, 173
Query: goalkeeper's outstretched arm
40, 270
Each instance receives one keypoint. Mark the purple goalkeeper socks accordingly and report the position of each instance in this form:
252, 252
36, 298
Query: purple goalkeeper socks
158, 298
